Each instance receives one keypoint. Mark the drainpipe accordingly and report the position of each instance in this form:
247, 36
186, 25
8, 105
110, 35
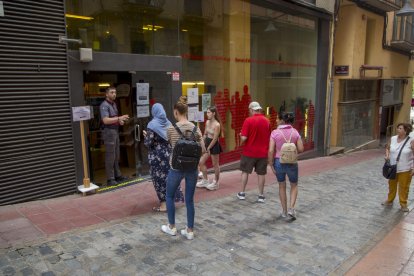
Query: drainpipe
331, 80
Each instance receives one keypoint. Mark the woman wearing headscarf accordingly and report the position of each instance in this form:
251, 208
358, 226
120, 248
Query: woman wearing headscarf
159, 151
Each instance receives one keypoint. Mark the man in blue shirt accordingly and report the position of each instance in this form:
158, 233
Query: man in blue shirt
111, 122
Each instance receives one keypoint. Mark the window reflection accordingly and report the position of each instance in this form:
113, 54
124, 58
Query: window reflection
239, 51
124, 26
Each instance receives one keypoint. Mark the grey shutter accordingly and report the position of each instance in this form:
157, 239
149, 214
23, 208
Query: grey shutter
36, 143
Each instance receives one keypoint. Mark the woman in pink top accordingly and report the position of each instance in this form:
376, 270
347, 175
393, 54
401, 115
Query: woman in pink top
282, 134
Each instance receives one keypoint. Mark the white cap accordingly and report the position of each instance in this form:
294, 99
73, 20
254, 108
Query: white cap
255, 106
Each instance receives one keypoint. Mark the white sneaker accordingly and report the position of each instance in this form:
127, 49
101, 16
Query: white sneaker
200, 175
241, 196
170, 231
202, 183
188, 235
261, 199
213, 186
292, 213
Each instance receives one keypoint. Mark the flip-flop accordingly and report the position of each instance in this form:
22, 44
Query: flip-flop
157, 209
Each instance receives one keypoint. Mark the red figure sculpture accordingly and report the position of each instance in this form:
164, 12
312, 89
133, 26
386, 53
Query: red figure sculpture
272, 117
220, 104
237, 118
311, 121
245, 101
299, 121
226, 100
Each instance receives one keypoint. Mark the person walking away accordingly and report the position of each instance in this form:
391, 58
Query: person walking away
175, 175
110, 134
159, 151
254, 135
212, 133
285, 133
405, 168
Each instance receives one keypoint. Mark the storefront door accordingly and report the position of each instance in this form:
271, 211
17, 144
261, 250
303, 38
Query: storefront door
133, 159
148, 88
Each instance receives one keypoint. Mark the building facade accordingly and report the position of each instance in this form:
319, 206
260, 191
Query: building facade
372, 73
226, 52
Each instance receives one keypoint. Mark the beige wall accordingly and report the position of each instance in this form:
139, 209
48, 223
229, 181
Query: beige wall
358, 41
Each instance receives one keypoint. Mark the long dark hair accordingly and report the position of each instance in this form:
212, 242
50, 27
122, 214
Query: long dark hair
287, 117
216, 116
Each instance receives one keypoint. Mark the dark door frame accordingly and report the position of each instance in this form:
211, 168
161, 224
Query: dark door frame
115, 62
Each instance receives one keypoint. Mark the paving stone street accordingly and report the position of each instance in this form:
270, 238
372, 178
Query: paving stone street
339, 215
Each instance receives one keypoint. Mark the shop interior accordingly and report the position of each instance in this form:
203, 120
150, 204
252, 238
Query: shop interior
133, 153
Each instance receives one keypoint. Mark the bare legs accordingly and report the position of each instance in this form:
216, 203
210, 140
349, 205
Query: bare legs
244, 178
215, 160
293, 194
205, 183
202, 165
260, 182
283, 197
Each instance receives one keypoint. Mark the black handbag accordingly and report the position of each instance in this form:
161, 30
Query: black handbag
390, 171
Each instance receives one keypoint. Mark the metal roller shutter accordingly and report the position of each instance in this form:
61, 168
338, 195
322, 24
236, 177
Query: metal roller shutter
36, 143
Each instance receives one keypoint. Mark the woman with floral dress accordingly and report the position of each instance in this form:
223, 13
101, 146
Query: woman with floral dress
159, 151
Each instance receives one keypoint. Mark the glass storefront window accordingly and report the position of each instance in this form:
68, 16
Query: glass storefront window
232, 50
283, 66
243, 52
124, 26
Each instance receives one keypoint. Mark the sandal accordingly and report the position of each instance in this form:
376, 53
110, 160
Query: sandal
157, 209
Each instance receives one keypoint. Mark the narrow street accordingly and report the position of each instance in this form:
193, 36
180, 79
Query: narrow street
339, 218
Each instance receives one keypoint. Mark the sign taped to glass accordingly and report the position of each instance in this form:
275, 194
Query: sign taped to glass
81, 113
142, 93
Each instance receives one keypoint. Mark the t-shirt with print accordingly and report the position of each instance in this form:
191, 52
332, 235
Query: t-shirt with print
279, 138
257, 130
186, 129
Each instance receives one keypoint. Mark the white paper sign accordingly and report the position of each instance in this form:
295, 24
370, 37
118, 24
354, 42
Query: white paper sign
81, 113
192, 113
142, 93
205, 101
200, 117
143, 111
192, 95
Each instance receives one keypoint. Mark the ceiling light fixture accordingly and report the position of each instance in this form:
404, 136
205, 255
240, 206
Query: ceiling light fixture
78, 16
270, 27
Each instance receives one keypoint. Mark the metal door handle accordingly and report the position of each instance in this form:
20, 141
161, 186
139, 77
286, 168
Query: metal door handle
137, 133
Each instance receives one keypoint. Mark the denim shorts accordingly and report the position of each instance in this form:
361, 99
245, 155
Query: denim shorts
291, 170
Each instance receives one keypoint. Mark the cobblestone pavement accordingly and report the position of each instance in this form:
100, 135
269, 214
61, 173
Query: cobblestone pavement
339, 212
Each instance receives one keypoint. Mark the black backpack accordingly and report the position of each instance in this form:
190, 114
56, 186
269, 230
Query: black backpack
186, 153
